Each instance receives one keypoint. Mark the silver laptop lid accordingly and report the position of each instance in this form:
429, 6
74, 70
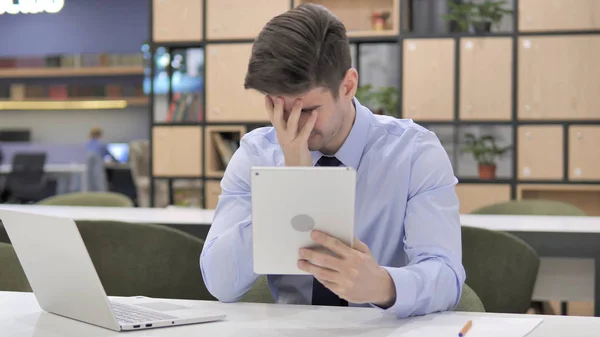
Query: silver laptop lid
58, 267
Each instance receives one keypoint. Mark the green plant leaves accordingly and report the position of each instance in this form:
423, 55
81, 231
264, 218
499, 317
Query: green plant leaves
484, 149
469, 13
385, 98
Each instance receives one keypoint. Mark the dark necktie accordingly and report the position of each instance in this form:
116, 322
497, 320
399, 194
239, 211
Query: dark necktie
320, 294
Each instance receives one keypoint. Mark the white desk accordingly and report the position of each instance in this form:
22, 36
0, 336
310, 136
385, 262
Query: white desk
533, 223
21, 316
569, 246
58, 169
175, 216
196, 216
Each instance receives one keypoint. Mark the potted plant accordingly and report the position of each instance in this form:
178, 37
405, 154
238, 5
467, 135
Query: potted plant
485, 151
381, 101
478, 16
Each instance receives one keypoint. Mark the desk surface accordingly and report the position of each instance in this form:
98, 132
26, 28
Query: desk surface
195, 216
175, 215
52, 168
21, 316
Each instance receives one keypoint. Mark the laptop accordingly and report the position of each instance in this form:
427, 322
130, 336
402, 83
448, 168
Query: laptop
288, 203
65, 282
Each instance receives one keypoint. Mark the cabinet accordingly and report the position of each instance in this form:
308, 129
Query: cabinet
226, 98
585, 197
356, 15
556, 15
212, 191
584, 152
474, 196
558, 77
176, 151
428, 79
234, 19
221, 143
177, 20
485, 78
540, 152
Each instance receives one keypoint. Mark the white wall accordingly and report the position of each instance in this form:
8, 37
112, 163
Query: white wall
73, 126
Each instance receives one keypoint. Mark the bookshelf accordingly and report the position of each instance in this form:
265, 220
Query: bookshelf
83, 103
70, 72
535, 78
72, 82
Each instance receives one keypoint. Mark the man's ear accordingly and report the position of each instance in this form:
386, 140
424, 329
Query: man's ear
349, 84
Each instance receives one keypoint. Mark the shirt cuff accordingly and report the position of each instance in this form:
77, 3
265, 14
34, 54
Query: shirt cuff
406, 292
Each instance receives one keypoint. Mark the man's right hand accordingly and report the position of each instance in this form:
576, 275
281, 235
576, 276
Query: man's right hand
293, 142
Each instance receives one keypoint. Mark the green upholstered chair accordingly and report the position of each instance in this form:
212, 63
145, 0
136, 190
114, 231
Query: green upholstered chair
259, 293
101, 199
145, 259
531, 207
469, 301
3, 234
501, 269
534, 207
12, 276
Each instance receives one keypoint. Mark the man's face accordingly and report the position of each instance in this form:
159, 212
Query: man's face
331, 112
329, 116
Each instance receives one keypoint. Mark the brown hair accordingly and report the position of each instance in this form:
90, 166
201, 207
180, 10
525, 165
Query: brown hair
95, 133
303, 48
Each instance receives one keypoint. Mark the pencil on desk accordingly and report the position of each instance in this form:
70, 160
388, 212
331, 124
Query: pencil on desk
465, 329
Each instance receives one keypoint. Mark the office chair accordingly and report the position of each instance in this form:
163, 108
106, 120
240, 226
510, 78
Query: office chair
96, 199
534, 207
501, 269
12, 276
145, 259
27, 181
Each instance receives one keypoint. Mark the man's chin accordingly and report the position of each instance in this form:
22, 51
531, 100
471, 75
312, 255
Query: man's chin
314, 146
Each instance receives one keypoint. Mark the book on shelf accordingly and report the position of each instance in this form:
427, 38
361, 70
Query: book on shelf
225, 147
17, 92
23, 92
58, 92
4, 92
185, 107
74, 61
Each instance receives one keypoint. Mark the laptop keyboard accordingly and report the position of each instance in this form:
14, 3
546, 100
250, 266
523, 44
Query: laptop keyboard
131, 314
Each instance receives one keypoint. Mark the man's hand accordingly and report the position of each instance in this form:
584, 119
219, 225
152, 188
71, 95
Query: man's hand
294, 143
353, 274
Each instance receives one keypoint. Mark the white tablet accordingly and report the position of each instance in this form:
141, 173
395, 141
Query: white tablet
289, 202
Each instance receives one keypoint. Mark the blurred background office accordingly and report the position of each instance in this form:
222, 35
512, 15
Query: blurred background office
144, 99
510, 88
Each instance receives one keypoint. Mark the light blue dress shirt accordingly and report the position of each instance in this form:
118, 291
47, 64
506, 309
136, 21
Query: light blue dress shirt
406, 213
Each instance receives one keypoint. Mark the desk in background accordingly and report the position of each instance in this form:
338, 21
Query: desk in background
59, 170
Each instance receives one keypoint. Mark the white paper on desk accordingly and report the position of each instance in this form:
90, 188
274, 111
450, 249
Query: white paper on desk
449, 325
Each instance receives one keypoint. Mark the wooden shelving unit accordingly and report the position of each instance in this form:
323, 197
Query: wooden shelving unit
220, 144
89, 103
15, 73
540, 80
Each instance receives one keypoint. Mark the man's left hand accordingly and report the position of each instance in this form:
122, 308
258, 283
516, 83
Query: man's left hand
353, 274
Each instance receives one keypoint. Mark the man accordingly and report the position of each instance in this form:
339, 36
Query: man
407, 252
96, 145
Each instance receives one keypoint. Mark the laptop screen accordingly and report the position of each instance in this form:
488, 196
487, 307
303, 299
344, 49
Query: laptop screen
120, 151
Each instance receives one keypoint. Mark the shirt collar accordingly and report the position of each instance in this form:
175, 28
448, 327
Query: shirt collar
352, 149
